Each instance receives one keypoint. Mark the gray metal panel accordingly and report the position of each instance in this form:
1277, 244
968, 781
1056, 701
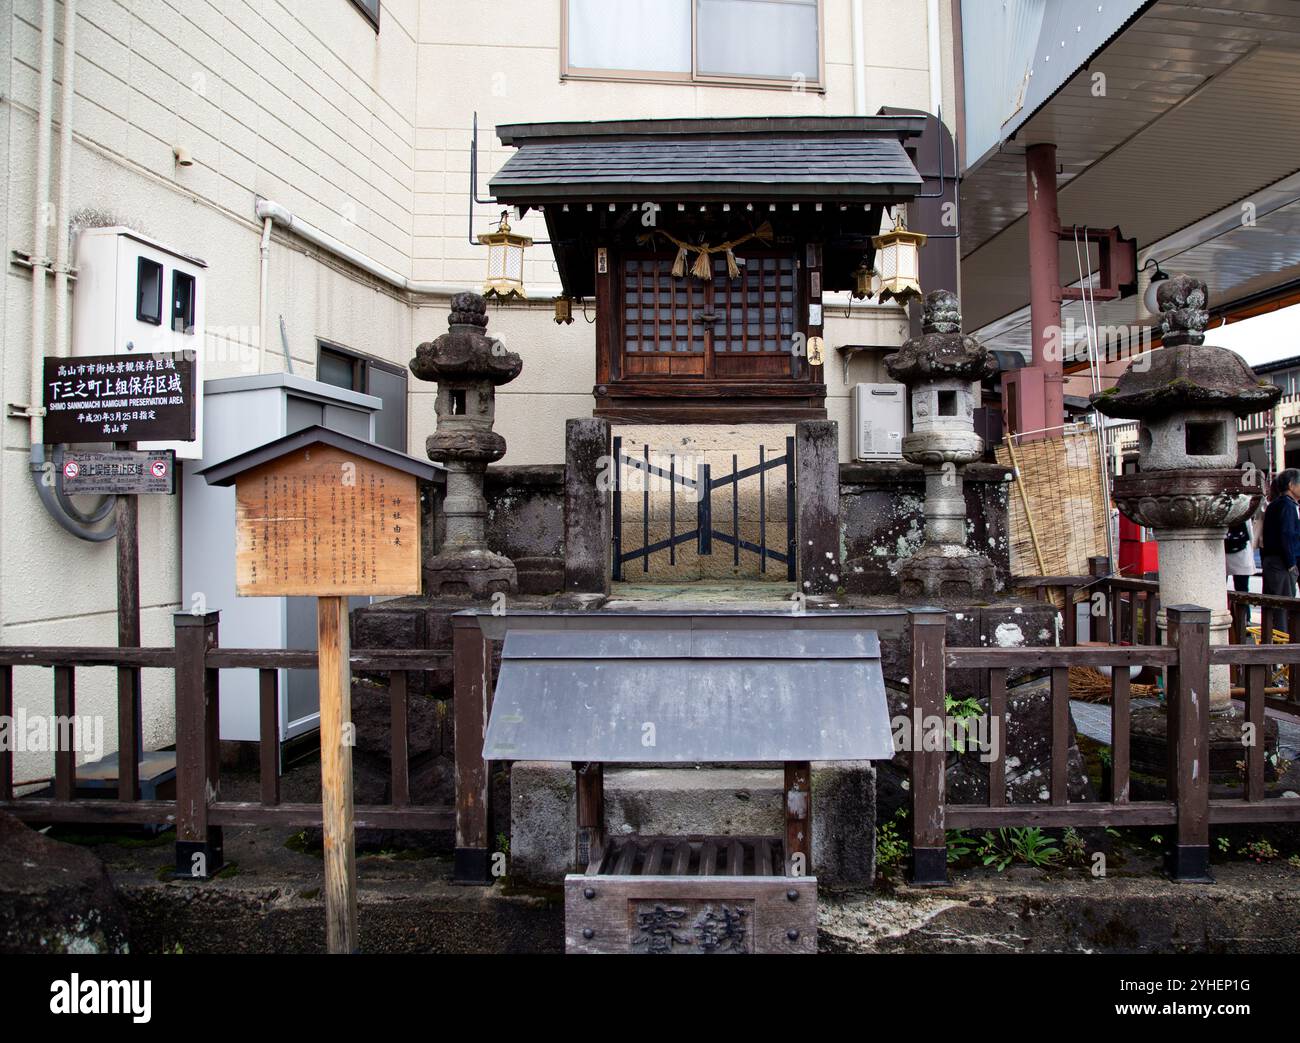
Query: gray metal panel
702, 707
685, 644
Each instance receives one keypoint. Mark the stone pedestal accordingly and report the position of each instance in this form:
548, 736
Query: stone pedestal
1191, 567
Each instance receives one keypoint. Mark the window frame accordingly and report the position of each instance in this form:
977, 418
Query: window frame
154, 319
372, 18
694, 77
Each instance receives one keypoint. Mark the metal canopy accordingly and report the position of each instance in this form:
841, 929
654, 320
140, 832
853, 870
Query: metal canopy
683, 696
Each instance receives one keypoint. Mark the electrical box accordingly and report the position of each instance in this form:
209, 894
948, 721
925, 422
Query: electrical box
136, 296
879, 421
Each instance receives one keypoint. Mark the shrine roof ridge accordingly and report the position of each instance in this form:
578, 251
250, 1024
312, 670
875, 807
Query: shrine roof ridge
713, 127
225, 472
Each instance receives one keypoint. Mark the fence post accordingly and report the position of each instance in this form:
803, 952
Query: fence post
587, 523
817, 489
1188, 694
1099, 625
929, 843
471, 701
198, 844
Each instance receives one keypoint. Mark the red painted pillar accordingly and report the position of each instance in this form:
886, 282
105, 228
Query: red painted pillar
1042, 412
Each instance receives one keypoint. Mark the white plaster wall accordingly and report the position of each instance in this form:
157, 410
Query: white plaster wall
367, 137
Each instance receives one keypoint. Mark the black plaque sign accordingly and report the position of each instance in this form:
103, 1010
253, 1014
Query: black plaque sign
118, 472
119, 398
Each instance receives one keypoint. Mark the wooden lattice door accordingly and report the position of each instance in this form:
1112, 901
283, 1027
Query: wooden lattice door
722, 328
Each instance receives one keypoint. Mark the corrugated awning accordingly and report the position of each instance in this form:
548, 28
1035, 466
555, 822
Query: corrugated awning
821, 159
687, 696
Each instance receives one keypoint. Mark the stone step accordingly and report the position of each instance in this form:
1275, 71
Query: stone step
683, 801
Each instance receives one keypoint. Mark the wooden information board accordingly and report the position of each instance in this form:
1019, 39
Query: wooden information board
322, 514
320, 521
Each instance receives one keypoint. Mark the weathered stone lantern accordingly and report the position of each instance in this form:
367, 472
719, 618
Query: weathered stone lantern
468, 366
942, 370
1189, 490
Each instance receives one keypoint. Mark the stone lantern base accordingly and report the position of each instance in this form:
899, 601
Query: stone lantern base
942, 571
1150, 746
474, 573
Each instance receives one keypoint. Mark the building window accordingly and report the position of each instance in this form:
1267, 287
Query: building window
148, 291
754, 42
369, 8
182, 302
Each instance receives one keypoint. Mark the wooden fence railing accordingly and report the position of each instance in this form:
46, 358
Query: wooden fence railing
199, 812
1186, 660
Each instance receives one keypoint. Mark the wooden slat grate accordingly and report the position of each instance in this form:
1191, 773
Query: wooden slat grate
689, 856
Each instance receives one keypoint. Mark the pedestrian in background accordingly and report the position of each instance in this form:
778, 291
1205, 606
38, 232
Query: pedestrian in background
1281, 543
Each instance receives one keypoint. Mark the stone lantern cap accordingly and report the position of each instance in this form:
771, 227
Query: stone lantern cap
465, 352
941, 352
1186, 374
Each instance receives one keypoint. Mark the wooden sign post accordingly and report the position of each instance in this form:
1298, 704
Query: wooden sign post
321, 514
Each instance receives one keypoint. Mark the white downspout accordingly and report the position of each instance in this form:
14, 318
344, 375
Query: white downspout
268, 211
936, 56
59, 507
41, 223
859, 62
61, 261
264, 292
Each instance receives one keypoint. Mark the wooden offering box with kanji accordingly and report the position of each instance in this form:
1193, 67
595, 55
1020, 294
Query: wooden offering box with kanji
750, 690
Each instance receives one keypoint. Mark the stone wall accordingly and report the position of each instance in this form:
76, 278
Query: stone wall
526, 522
882, 521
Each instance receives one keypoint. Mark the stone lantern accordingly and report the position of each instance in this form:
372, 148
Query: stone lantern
1186, 398
468, 366
942, 370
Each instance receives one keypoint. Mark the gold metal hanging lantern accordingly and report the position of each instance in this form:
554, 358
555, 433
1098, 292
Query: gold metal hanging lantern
505, 262
899, 262
866, 281
563, 310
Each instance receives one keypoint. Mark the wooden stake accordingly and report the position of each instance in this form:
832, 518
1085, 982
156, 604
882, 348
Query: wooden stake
1024, 500
336, 774
130, 728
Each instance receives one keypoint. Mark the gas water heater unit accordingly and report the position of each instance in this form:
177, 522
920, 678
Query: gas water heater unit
879, 421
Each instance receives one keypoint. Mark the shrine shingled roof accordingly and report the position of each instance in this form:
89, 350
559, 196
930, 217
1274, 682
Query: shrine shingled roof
840, 159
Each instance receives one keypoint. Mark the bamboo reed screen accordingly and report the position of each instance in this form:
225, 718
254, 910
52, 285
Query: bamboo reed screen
1056, 512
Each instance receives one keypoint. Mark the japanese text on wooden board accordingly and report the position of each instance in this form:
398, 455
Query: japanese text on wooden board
322, 522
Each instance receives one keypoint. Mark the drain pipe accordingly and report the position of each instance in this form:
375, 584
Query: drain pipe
61, 260
859, 62
264, 291
935, 56
40, 224
268, 211
46, 483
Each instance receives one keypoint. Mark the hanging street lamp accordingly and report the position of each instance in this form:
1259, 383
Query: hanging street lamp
505, 267
898, 260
